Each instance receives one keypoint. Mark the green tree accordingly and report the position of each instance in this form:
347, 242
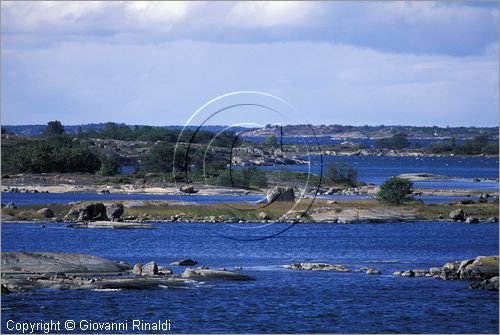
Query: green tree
54, 128
160, 158
109, 164
55, 154
397, 141
339, 174
395, 191
271, 141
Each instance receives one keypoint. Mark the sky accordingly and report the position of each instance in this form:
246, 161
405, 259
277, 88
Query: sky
156, 63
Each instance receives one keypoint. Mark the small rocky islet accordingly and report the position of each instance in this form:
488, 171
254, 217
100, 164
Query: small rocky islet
27, 271
481, 271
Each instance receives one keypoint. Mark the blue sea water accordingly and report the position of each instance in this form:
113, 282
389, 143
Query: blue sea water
374, 169
279, 300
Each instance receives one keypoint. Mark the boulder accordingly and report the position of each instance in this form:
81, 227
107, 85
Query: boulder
457, 215
5, 290
162, 270
150, 269
46, 212
114, 211
420, 273
11, 205
318, 267
435, 272
483, 267
408, 273
471, 219
205, 274
373, 272
449, 271
137, 270
188, 189
93, 211
493, 219
280, 194
490, 284
482, 199
397, 273
263, 216
184, 262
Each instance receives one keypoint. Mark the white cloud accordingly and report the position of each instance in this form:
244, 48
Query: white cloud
272, 13
165, 83
411, 27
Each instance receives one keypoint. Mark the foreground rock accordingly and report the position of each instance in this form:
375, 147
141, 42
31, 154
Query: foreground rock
53, 262
206, 274
317, 267
483, 269
26, 271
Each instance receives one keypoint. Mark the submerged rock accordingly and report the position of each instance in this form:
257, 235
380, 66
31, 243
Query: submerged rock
110, 225
373, 272
204, 274
184, 262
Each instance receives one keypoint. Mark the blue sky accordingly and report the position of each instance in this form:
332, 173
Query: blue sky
411, 63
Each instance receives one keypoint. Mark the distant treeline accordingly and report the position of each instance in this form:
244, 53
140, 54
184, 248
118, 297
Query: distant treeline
38, 129
480, 144
297, 130
56, 151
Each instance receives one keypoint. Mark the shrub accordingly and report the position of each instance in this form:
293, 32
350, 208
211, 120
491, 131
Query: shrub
395, 191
